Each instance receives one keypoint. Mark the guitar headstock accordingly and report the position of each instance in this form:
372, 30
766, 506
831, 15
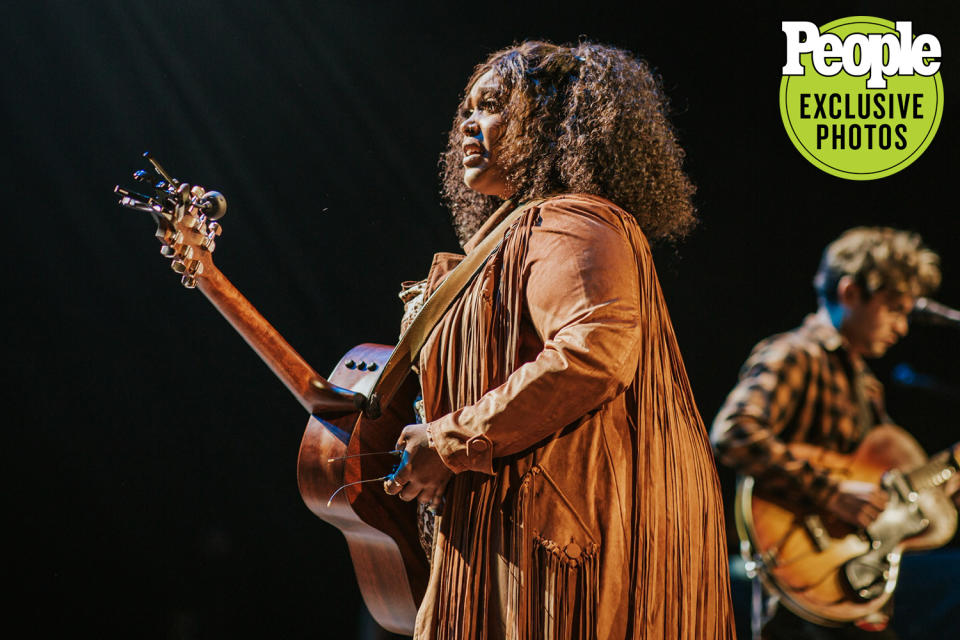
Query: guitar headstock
186, 217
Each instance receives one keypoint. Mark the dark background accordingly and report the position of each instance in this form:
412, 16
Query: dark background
150, 456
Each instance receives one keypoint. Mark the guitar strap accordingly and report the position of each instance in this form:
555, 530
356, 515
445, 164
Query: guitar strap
405, 355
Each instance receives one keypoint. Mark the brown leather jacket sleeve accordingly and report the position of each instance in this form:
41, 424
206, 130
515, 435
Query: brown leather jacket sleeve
582, 297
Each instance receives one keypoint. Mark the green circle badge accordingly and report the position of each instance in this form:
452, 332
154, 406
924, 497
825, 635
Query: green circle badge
861, 97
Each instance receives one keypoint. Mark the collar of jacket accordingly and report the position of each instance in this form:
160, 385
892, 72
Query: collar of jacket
818, 326
489, 225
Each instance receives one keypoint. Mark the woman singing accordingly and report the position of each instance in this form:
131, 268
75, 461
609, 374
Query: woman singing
560, 440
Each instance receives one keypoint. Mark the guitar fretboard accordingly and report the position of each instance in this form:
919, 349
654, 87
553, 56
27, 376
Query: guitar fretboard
935, 472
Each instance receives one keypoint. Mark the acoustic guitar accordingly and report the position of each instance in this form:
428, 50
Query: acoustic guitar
827, 571
341, 458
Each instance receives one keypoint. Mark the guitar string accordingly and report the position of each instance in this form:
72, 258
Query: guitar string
393, 452
334, 494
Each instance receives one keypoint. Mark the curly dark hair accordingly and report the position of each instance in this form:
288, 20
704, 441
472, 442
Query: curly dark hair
585, 118
878, 259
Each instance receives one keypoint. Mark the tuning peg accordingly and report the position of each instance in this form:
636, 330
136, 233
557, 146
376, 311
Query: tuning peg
214, 205
164, 235
193, 220
189, 282
197, 191
187, 266
183, 194
177, 250
213, 228
208, 243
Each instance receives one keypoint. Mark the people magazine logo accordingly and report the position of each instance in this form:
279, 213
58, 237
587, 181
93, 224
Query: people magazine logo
861, 98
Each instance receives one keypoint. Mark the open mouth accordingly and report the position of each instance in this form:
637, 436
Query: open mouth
472, 150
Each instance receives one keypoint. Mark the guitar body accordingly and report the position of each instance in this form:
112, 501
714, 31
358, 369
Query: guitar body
825, 570
381, 530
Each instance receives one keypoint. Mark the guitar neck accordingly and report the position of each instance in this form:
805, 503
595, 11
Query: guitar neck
938, 470
313, 391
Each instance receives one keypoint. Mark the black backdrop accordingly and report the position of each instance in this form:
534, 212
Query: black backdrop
150, 456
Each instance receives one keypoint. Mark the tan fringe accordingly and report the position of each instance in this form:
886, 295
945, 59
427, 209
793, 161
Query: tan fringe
564, 592
673, 556
488, 352
519, 554
677, 558
551, 596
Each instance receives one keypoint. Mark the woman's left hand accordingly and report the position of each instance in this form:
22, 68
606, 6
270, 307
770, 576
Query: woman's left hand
422, 474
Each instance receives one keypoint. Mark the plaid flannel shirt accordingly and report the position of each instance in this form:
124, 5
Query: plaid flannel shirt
799, 386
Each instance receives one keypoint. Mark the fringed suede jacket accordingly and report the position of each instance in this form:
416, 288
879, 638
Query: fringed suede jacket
585, 502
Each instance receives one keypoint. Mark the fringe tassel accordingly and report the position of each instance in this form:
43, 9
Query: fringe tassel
553, 592
488, 352
462, 611
564, 592
519, 553
669, 557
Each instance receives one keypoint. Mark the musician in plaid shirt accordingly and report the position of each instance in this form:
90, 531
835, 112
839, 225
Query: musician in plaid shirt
812, 385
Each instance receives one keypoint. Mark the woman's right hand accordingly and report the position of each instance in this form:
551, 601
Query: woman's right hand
421, 474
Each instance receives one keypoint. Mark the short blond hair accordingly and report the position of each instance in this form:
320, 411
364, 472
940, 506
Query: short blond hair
878, 258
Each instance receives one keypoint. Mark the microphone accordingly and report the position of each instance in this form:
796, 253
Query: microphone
932, 312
